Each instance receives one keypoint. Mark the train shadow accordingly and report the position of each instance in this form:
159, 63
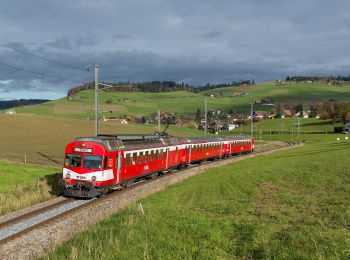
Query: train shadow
52, 181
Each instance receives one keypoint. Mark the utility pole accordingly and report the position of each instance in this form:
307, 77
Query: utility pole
97, 89
298, 131
251, 119
158, 121
96, 99
205, 117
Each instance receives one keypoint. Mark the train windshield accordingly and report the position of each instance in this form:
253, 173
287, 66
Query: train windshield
92, 161
73, 160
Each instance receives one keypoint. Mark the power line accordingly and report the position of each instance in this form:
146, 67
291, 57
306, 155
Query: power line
39, 73
39, 88
11, 72
41, 57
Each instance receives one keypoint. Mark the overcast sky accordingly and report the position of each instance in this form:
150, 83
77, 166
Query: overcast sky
192, 41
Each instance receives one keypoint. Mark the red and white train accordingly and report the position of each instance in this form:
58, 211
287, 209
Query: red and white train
94, 165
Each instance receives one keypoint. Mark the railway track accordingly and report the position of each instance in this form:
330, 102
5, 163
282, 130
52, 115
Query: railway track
14, 228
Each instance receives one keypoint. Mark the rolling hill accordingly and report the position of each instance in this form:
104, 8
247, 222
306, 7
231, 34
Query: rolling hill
182, 102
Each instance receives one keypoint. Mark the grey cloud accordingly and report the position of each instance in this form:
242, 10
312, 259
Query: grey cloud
211, 34
196, 41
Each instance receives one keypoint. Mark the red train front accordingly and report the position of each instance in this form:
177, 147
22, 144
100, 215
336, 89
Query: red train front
89, 168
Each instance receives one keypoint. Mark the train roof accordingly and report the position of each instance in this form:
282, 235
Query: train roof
140, 141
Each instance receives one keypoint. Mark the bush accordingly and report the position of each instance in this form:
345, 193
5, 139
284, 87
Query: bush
338, 129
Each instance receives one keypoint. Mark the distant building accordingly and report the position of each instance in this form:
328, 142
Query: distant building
229, 127
115, 119
287, 113
260, 114
10, 112
303, 114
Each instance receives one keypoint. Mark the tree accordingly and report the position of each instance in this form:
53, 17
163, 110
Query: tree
279, 110
298, 108
312, 111
198, 115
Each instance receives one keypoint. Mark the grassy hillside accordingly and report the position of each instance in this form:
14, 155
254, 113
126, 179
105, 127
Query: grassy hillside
288, 125
292, 204
186, 102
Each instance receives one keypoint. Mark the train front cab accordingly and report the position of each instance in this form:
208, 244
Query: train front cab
88, 170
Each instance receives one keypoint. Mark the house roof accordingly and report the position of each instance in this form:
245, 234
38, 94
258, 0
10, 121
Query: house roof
261, 113
287, 112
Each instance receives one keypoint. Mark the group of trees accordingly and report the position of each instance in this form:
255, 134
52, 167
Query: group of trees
224, 85
334, 110
329, 110
20, 102
318, 78
155, 86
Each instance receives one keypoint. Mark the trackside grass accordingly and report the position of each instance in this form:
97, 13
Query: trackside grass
291, 204
24, 185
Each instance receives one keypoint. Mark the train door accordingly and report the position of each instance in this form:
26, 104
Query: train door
190, 153
118, 165
176, 161
167, 158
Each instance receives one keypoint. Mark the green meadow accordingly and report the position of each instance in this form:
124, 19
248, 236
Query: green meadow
305, 125
292, 204
187, 103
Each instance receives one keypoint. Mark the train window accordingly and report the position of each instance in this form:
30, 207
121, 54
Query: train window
105, 165
176, 151
146, 156
73, 160
161, 154
141, 157
127, 159
157, 155
92, 161
134, 158
152, 156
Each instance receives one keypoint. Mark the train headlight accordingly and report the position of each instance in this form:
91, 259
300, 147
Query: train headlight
67, 176
93, 178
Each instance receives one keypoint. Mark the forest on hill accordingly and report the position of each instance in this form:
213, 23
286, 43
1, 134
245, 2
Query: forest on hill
156, 86
6, 104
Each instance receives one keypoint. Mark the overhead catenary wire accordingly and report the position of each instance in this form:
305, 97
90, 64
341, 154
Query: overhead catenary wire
39, 73
41, 57
39, 88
